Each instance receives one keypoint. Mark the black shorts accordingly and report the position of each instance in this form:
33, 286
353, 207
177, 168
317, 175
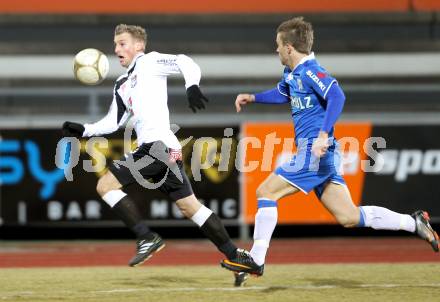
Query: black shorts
160, 168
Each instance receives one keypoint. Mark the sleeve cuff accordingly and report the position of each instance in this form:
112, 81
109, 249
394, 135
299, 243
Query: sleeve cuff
87, 130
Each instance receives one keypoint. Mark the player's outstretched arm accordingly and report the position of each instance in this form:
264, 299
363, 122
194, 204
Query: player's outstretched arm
243, 99
196, 98
116, 116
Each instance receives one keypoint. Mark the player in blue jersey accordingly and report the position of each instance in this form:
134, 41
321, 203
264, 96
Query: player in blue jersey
316, 101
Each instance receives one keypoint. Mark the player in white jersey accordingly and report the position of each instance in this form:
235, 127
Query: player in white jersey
141, 93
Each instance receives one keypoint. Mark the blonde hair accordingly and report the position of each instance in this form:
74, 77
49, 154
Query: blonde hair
298, 33
137, 32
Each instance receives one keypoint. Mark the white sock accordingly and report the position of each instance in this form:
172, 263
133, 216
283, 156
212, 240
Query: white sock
265, 222
113, 197
201, 215
380, 218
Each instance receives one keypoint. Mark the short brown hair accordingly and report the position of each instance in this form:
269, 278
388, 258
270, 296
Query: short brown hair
298, 33
137, 32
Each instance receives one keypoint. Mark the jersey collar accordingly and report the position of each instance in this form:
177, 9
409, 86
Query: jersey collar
311, 56
133, 62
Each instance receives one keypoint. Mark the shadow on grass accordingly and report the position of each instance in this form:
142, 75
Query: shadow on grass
158, 281
342, 283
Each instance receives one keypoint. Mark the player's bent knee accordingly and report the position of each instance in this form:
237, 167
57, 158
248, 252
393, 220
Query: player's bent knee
101, 187
105, 185
188, 206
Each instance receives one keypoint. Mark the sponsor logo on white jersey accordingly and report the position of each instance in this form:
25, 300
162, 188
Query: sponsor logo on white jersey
167, 62
133, 80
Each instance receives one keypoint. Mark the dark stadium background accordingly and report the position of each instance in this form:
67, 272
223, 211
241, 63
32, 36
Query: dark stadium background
402, 94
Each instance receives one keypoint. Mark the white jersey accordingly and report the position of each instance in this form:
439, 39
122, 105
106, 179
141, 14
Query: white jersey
142, 93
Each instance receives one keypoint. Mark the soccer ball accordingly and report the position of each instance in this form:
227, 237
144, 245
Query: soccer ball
90, 66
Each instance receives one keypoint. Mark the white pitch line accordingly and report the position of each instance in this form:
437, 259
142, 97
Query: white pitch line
28, 294
260, 288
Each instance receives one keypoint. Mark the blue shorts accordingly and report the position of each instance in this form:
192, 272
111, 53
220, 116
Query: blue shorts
307, 173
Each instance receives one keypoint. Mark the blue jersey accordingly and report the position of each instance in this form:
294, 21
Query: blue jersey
307, 86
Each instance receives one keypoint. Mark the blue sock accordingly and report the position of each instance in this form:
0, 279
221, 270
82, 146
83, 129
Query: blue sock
266, 203
361, 218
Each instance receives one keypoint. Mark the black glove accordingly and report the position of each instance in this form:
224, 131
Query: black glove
71, 129
195, 98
